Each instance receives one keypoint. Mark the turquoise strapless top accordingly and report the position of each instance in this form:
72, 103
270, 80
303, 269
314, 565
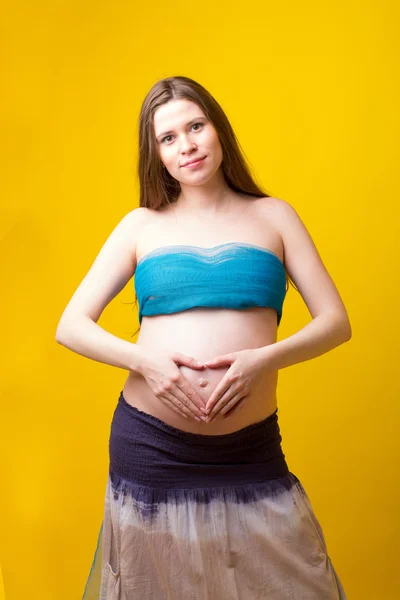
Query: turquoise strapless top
236, 275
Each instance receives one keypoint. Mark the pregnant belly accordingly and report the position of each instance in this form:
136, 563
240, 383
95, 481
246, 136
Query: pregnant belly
204, 334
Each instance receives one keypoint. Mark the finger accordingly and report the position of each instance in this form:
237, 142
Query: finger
227, 405
179, 404
178, 412
192, 364
171, 389
187, 361
185, 387
229, 394
185, 399
219, 361
221, 389
233, 405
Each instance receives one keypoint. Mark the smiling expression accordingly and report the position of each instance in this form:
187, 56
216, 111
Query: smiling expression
183, 133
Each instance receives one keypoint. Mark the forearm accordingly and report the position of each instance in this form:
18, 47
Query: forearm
322, 334
85, 337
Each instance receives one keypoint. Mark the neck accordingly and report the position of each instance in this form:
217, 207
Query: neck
210, 200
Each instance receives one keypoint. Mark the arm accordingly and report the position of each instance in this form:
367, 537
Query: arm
330, 326
83, 336
113, 267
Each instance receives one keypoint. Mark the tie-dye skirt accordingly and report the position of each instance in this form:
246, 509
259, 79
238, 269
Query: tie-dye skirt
205, 517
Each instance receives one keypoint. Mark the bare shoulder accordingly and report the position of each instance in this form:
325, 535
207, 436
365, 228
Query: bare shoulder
297, 242
110, 271
273, 206
284, 217
132, 224
272, 209
137, 216
304, 263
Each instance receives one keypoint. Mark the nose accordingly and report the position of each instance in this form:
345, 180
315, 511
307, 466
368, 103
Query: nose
187, 146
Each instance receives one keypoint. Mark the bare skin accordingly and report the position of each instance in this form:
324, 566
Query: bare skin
206, 213
212, 331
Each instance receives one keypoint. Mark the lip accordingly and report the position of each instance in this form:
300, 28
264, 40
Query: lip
194, 163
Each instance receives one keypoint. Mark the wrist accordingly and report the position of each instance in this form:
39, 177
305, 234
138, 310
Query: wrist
266, 357
138, 358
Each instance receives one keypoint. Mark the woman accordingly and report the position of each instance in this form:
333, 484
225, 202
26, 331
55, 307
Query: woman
200, 502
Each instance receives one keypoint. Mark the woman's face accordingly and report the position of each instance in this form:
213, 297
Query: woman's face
183, 133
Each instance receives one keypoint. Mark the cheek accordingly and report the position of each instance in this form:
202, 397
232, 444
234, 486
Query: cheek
216, 150
168, 158
215, 144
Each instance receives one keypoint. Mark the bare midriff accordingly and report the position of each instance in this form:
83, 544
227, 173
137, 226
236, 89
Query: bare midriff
205, 333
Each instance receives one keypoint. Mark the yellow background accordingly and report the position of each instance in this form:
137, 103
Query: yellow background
312, 93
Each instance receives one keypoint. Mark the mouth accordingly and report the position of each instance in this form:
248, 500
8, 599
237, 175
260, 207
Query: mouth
194, 163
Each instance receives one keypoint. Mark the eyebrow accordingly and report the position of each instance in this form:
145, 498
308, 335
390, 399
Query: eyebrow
188, 123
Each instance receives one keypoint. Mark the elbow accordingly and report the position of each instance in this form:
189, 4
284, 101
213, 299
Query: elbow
67, 327
59, 336
348, 335
345, 328
340, 323
63, 330
62, 327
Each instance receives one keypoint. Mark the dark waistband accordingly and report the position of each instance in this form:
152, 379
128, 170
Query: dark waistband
147, 450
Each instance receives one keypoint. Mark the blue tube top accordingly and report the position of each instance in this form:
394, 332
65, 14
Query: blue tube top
236, 275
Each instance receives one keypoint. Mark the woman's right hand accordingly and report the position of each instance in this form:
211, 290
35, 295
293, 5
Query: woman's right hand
166, 381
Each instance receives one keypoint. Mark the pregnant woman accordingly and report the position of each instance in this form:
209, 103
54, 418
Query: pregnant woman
200, 503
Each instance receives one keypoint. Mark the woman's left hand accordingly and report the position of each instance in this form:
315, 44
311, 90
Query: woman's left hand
245, 367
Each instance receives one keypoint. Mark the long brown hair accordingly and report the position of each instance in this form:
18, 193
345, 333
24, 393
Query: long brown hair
157, 186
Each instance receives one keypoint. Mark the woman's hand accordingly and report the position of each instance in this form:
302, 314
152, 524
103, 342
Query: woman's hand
245, 367
167, 382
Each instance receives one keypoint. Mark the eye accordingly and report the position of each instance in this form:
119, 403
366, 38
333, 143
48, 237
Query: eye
168, 136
